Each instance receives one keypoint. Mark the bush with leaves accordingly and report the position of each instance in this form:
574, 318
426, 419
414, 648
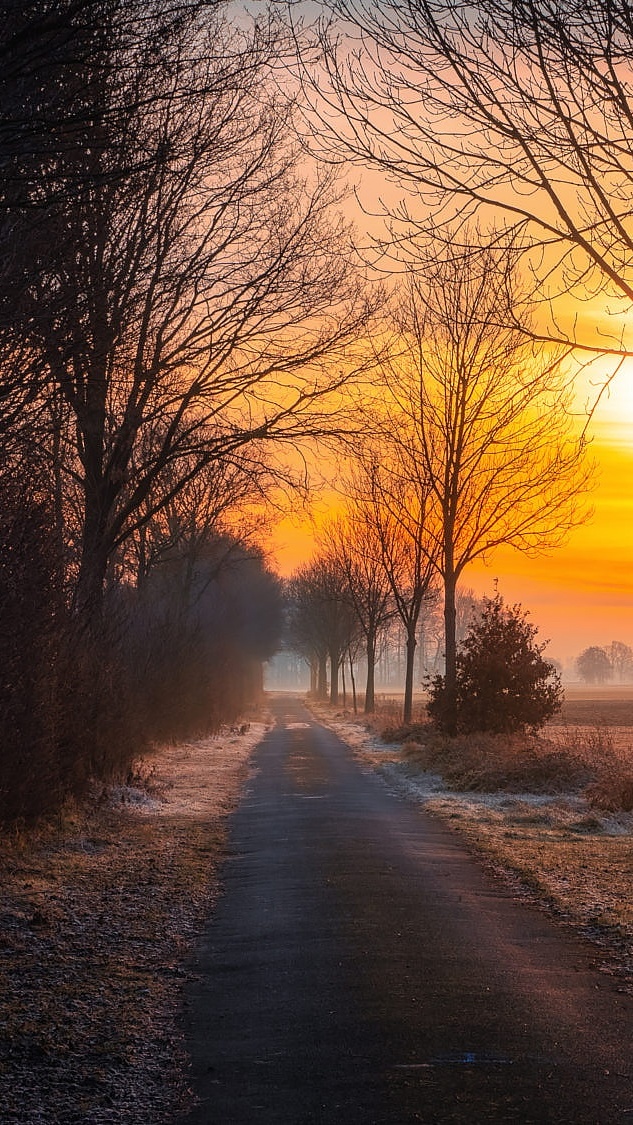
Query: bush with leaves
503, 682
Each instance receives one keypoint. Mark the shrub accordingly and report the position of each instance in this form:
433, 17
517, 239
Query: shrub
32, 771
175, 659
503, 683
488, 763
612, 790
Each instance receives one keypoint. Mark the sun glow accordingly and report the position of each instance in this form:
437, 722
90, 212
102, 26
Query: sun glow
613, 416
578, 595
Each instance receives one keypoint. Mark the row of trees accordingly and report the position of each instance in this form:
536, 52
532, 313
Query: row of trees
173, 284
177, 298
503, 683
468, 445
342, 613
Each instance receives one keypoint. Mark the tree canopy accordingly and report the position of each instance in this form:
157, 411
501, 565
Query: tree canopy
513, 115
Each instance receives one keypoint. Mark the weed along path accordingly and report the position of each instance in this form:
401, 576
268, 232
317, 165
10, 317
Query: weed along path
361, 968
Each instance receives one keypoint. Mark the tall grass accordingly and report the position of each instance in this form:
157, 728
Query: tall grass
578, 759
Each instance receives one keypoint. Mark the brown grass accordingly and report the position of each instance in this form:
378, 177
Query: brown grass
591, 756
490, 763
605, 711
97, 915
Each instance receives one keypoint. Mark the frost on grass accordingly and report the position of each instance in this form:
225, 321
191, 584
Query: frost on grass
96, 921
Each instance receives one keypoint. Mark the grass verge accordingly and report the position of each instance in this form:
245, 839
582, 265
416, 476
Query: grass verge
97, 916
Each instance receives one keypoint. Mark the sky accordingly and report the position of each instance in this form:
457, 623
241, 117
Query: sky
581, 594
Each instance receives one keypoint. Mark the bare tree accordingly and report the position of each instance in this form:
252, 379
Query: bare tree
621, 657
56, 59
594, 666
479, 418
518, 112
397, 509
199, 629
468, 607
323, 622
306, 630
354, 542
199, 290
210, 502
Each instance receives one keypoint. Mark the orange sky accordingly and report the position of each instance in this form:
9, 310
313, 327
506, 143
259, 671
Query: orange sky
579, 595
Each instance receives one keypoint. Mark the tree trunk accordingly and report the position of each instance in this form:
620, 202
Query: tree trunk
92, 576
353, 679
97, 500
450, 651
335, 660
408, 680
322, 678
370, 697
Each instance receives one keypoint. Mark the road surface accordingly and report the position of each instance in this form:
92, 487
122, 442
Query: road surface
362, 969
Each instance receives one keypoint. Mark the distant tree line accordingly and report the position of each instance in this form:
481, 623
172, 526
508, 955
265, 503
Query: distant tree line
347, 613
599, 665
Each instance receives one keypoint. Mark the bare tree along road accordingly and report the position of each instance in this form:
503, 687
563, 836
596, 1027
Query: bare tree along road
361, 968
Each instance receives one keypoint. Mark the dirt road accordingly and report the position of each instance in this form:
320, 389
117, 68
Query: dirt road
361, 969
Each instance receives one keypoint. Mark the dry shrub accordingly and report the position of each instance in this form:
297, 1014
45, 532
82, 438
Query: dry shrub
581, 759
416, 732
34, 768
65, 708
101, 727
184, 681
593, 744
575, 761
387, 721
612, 790
611, 786
81, 700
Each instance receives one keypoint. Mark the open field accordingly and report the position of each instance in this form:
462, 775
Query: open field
608, 708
